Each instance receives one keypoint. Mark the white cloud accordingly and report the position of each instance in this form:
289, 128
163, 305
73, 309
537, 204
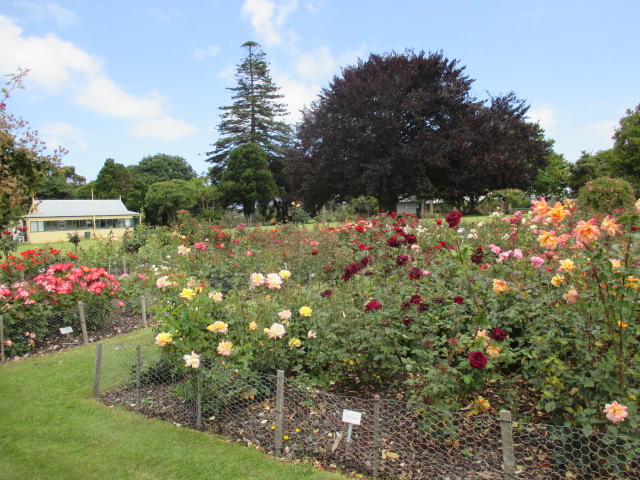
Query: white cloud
268, 17
164, 128
297, 95
321, 65
59, 67
544, 115
314, 6
65, 134
228, 72
47, 11
102, 95
210, 51
53, 62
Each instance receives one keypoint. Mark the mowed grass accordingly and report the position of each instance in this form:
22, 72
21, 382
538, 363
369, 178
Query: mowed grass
51, 428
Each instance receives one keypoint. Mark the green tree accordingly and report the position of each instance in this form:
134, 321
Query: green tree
627, 146
253, 117
60, 183
23, 157
162, 168
164, 199
553, 180
591, 166
153, 169
247, 180
114, 181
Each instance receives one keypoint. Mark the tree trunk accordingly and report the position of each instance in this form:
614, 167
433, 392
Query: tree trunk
387, 203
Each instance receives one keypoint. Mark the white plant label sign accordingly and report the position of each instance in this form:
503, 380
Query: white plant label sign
352, 417
66, 330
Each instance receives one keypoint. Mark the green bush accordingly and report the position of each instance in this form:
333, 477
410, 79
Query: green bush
606, 195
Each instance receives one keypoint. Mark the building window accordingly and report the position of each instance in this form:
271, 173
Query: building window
37, 226
61, 225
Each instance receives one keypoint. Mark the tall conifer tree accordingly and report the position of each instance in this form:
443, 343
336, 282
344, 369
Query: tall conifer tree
253, 117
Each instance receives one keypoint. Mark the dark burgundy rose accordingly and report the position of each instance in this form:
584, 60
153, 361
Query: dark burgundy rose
396, 242
372, 305
366, 260
352, 268
478, 360
438, 300
402, 259
477, 258
499, 334
453, 219
327, 293
458, 300
416, 299
405, 305
406, 320
423, 307
415, 273
346, 277
411, 238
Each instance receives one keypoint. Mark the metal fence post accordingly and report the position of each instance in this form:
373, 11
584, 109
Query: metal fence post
1, 339
508, 458
279, 410
97, 370
143, 307
138, 375
199, 401
375, 460
83, 323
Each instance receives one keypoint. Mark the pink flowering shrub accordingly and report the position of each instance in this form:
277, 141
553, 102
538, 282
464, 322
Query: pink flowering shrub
50, 301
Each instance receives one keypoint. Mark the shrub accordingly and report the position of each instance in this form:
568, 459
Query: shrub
606, 195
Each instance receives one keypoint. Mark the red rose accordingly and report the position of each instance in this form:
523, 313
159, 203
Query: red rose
326, 294
453, 219
406, 320
396, 241
411, 238
314, 252
499, 334
402, 259
415, 273
478, 360
352, 268
458, 300
372, 305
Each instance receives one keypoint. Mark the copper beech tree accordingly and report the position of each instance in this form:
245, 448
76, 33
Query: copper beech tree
407, 124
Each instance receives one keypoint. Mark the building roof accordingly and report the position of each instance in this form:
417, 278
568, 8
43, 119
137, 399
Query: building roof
78, 208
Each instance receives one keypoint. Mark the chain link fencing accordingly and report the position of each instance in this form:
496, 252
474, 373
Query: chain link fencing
362, 435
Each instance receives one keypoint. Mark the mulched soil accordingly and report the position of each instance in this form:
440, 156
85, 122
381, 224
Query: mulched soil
453, 447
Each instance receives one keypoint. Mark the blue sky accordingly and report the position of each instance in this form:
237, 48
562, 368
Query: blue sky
127, 79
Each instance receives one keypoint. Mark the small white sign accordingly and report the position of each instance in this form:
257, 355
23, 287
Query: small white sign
66, 330
349, 416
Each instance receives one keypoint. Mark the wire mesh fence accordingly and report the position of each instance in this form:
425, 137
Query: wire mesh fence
41, 327
369, 435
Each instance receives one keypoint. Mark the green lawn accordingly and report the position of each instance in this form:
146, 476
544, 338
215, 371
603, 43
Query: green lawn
51, 429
